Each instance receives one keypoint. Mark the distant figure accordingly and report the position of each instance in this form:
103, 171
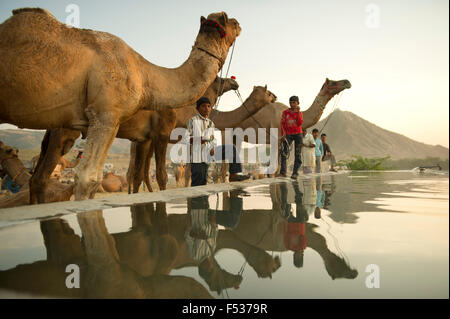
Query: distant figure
327, 155
291, 130
308, 152
319, 150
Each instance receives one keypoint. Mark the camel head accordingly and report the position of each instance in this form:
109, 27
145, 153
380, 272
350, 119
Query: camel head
334, 87
7, 152
218, 26
223, 85
262, 96
9, 160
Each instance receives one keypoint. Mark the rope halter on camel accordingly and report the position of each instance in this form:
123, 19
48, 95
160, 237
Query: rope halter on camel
217, 26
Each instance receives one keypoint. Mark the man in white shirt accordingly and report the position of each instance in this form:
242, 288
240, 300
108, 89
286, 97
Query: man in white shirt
200, 134
308, 152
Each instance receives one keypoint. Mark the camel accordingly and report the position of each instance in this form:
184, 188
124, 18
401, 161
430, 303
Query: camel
158, 127
13, 166
179, 174
92, 81
141, 153
113, 183
141, 127
269, 116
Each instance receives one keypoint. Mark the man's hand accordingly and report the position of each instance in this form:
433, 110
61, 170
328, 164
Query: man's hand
211, 152
202, 141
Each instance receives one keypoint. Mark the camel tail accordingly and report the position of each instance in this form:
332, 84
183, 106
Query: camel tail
36, 10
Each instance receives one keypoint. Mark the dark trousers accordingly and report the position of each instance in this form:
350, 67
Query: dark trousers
297, 138
228, 152
199, 174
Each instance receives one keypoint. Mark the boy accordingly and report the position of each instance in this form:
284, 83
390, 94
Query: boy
319, 150
291, 130
200, 134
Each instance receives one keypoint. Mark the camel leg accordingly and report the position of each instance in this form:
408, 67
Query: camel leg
139, 164
130, 171
160, 158
147, 168
56, 143
101, 133
187, 175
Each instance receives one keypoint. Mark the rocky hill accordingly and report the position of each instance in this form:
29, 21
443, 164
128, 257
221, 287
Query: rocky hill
349, 134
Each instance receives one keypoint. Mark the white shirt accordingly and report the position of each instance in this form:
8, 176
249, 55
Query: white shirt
308, 153
200, 126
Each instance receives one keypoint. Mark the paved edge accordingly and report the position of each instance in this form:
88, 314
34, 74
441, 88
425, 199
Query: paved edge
11, 216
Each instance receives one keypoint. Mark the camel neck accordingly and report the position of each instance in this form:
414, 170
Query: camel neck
184, 85
17, 172
312, 115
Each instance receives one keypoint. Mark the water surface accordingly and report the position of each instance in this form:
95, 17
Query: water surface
271, 243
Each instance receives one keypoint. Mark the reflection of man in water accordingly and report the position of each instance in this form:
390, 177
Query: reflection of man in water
320, 198
294, 229
201, 239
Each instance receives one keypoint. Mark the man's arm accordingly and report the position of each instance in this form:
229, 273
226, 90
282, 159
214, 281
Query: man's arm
300, 119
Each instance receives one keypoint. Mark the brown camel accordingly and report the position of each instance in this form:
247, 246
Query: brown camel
269, 116
143, 152
92, 81
179, 174
113, 183
13, 166
158, 127
140, 127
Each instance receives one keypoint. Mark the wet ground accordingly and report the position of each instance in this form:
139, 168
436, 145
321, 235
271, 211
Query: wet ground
358, 235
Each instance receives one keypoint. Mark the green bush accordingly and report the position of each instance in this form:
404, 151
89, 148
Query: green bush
359, 163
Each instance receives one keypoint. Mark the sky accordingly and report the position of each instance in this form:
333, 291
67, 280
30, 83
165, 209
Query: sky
395, 53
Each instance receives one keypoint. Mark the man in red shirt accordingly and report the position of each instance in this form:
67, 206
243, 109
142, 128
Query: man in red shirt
291, 130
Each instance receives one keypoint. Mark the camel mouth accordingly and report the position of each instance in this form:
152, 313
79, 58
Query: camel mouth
347, 84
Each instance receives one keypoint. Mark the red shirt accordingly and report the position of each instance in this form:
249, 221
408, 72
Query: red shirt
294, 236
291, 122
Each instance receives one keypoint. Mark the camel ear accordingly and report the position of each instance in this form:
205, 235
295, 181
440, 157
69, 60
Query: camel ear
327, 80
202, 19
223, 19
254, 87
265, 88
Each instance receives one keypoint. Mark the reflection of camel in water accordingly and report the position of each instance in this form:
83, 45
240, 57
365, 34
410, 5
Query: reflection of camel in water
102, 272
136, 264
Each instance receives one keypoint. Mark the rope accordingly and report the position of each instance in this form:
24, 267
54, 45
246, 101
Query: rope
336, 243
336, 102
222, 82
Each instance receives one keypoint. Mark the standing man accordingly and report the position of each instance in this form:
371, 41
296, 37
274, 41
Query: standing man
200, 134
291, 130
327, 155
319, 150
308, 152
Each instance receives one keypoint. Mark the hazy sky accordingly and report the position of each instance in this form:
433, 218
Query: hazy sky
397, 63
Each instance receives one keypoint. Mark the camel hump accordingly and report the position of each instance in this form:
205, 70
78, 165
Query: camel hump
36, 10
